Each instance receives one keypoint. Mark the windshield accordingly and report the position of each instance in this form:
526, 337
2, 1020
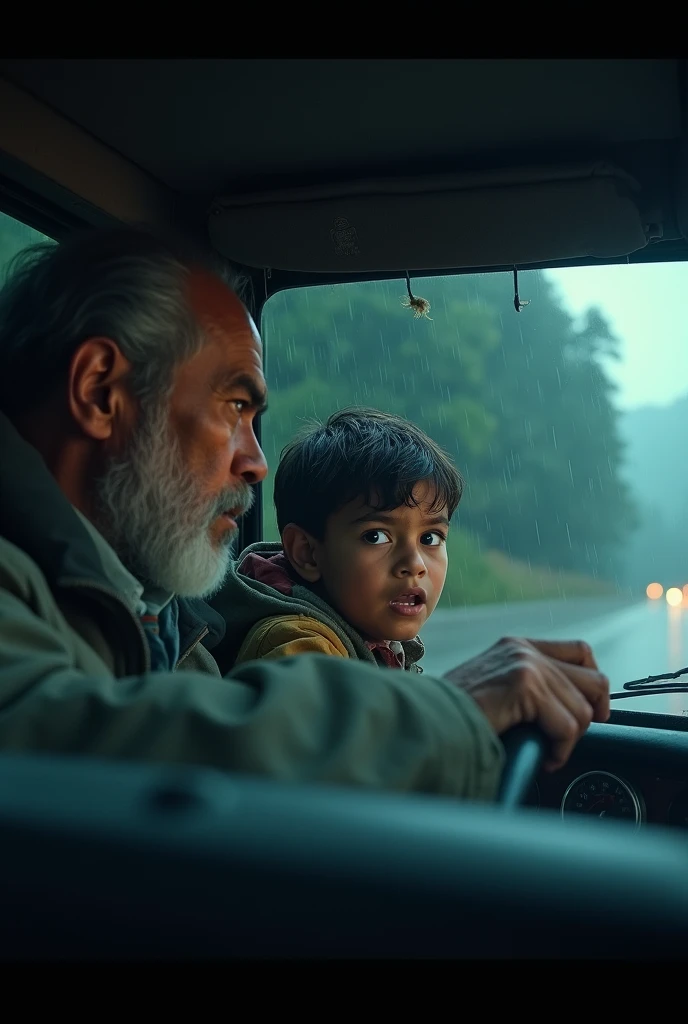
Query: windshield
567, 421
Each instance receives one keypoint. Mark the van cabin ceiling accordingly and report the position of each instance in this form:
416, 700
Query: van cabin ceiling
216, 126
209, 128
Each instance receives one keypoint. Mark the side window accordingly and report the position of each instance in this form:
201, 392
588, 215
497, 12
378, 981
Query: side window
15, 236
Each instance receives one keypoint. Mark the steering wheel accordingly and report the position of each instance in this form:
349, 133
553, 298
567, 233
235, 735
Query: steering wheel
525, 747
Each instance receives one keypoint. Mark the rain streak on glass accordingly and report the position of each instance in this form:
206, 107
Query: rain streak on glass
565, 419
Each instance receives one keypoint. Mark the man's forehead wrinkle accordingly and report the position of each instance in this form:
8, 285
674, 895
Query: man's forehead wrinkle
211, 328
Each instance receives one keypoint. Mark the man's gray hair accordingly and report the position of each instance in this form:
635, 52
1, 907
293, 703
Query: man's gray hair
122, 283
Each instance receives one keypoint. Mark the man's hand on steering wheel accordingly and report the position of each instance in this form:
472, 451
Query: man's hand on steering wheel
555, 685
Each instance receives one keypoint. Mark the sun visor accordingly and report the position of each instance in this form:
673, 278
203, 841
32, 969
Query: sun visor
475, 220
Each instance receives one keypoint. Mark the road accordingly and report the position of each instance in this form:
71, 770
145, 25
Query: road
631, 639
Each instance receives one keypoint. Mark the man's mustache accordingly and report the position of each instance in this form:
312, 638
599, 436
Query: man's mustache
237, 500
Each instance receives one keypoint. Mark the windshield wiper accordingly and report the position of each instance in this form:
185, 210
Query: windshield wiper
653, 684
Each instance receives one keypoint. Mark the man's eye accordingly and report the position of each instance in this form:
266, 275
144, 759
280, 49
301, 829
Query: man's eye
433, 539
239, 404
375, 537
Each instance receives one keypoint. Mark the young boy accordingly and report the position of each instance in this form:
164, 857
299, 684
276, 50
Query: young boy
363, 507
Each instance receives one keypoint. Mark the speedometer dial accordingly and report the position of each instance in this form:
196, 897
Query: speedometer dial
603, 795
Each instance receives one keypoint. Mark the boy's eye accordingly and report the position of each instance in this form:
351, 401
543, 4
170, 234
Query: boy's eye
375, 537
432, 539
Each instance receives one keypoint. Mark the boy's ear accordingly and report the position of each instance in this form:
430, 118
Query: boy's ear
300, 549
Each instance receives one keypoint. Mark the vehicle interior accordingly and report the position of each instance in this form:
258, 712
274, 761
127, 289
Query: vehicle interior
540, 208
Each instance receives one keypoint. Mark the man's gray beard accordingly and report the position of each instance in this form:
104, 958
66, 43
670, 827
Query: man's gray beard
151, 513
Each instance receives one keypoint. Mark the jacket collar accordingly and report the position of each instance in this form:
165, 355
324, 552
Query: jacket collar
262, 584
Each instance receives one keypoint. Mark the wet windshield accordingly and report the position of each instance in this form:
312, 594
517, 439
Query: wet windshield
567, 421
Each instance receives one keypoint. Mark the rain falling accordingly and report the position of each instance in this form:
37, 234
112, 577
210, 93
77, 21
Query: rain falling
556, 511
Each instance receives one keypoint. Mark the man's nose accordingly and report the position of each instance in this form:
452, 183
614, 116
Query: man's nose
249, 461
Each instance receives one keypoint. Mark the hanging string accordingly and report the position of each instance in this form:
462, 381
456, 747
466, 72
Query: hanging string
519, 303
420, 307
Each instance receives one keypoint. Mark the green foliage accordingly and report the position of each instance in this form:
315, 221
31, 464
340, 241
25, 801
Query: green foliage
477, 577
521, 401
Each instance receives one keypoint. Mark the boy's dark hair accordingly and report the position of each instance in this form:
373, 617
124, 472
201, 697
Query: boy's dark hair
363, 453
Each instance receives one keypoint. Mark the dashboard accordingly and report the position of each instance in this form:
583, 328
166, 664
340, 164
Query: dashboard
637, 775
92, 849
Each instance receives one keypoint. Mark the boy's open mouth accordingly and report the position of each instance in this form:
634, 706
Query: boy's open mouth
410, 602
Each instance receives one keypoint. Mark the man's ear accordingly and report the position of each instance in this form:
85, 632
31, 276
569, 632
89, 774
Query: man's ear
99, 398
301, 550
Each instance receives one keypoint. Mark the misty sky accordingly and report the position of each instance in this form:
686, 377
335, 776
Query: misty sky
647, 307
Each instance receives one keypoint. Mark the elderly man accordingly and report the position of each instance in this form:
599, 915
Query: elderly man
130, 383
